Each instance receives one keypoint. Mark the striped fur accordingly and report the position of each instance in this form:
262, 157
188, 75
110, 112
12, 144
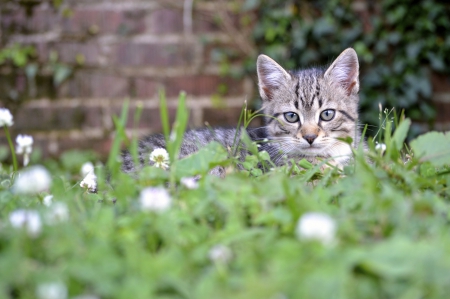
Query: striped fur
307, 94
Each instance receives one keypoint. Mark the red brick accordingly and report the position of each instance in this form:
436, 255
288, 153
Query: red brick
28, 119
440, 82
153, 54
222, 116
16, 87
203, 23
166, 21
215, 53
85, 19
145, 88
68, 52
90, 84
100, 20
150, 118
134, 22
43, 19
443, 112
102, 146
13, 19
203, 85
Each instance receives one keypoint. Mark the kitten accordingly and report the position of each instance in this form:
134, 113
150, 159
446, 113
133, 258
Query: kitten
306, 113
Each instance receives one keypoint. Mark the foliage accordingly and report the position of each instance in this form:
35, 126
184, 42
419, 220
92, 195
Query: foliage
22, 59
398, 45
236, 237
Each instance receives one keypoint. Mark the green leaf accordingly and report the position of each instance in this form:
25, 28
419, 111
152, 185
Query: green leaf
400, 133
433, 147
305, 164
62, 72
201, 162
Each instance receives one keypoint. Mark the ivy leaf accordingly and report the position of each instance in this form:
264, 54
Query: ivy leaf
433, 147
400, 133
62, 72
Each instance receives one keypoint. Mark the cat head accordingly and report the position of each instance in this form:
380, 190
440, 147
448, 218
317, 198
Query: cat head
308, 110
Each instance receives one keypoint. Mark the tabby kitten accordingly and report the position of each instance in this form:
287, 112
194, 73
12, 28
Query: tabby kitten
307, 112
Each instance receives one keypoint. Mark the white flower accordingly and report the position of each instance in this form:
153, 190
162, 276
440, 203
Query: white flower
220, 254
30, 220
58, 212
6, 118
47, 200
316, 226
35, 179
381, 147
160, 157
89, 182
189, 182
52, 290
87, 168
155, 199
24, 146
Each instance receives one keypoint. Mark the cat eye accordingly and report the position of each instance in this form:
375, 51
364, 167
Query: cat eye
327, 115
291, 117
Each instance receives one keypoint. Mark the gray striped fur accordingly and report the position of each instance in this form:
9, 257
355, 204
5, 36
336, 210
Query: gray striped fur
307, 93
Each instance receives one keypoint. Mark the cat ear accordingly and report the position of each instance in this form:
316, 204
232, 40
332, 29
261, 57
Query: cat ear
345, 71
270, 76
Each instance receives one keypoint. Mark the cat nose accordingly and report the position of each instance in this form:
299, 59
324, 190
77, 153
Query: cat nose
310, 138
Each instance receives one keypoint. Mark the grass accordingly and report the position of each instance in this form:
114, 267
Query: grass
391, 215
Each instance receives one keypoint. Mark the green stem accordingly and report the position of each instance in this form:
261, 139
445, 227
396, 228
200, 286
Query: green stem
11, 146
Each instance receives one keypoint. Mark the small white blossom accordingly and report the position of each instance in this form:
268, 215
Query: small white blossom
58, 212
316, 226
47, 200
89, 182
6, 118
381, 147
87, 168
30, 220
52, 290
155, 199
34, 179
189, 182
160, 157
220, 254
24, 146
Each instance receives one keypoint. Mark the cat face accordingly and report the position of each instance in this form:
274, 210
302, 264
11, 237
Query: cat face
307, 111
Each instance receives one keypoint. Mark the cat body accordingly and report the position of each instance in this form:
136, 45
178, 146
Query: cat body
307, 114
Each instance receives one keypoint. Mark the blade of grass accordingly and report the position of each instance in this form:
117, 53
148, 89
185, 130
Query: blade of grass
11, 146
134, 140
118, 138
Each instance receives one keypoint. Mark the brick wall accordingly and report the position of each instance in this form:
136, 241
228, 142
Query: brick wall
116, 50
441, 100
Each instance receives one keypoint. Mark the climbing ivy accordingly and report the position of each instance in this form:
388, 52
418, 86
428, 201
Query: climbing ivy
398, 43
21, 60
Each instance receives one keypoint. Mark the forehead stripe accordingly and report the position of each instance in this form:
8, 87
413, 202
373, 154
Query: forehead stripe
271, 119
346, 115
